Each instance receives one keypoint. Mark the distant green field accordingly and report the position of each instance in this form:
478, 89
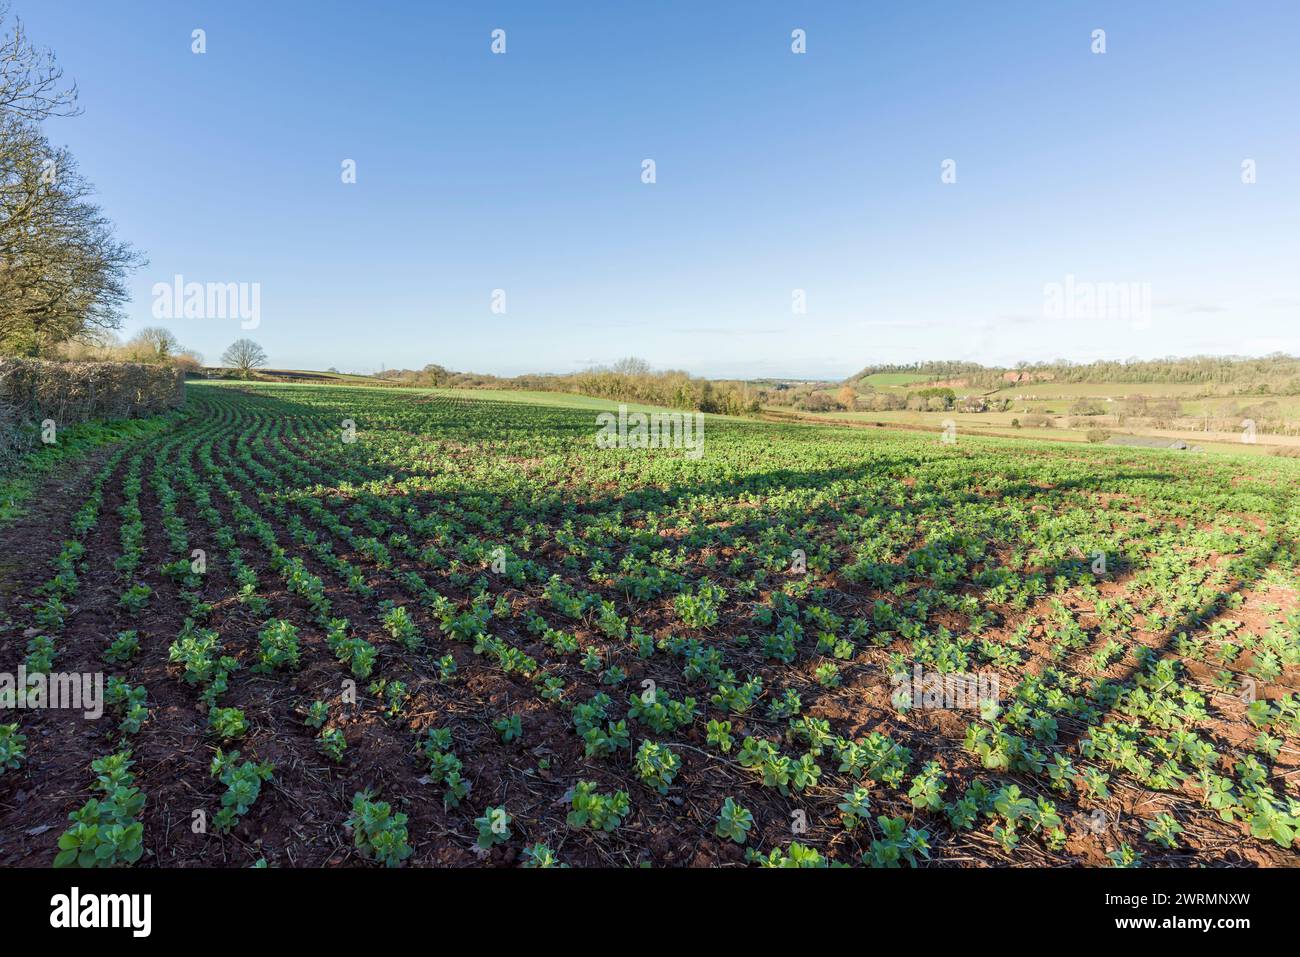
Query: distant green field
999, 424
1050, 390
558, 400
309, 375
893, 379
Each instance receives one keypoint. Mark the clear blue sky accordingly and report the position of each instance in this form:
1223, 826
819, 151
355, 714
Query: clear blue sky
775, 171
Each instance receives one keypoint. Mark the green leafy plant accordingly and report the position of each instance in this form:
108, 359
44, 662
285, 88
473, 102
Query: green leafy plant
135, 598
399, 625
318, 713
602, 812
734, 822
332, 744
699, 609
899, 843
541, 855
122, 648
227, 723
927, 788
393, 694
1164, 829
493, 827
796, 856
377, 832
447, 667
105, 831
1124, 856
243, 786
855, 807
510, 729
718, 734
1269, 823
604, 742
656, 765
279, 646
827, 674
41, 653
129, 701
13, 747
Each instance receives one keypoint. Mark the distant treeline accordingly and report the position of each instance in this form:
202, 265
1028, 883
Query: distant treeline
1278, 373
933, 369
63, 271
940, 385
628, 380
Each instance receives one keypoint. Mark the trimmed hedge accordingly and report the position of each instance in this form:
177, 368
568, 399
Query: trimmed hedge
33, 390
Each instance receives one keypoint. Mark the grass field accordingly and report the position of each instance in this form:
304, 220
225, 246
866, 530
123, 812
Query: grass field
1004, 425
366, 626
305, 376
890, 380
1188, 409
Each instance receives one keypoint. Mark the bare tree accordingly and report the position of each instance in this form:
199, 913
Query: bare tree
190, 360
434, 374
31, 82
154, 344
62, 272
244, 355
631, 366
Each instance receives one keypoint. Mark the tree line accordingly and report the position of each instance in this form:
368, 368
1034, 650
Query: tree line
1276, 372
63, 271
628, 380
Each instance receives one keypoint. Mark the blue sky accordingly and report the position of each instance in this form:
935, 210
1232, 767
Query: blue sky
775, 172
